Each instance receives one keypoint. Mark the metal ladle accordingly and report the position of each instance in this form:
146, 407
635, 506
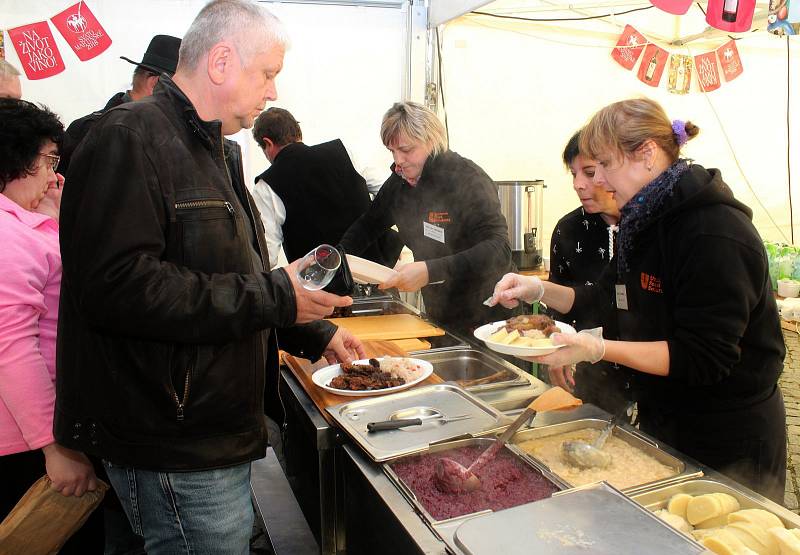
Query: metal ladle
453, 477
590, 455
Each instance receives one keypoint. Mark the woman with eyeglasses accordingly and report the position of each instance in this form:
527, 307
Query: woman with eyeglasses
30, 282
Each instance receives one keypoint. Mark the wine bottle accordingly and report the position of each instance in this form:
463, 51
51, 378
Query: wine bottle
651, 67
730, 9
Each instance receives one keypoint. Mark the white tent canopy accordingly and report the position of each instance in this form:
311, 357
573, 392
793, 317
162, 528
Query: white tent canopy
514, 91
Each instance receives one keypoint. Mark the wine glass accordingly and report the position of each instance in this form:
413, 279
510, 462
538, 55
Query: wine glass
317, 268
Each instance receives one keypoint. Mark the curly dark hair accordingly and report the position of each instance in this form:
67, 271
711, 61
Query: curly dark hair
24, 128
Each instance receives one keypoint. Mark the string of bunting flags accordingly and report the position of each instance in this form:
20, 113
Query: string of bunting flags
37, 49
632, 45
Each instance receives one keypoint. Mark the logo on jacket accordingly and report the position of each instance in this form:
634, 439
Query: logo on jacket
651, 283
439, 217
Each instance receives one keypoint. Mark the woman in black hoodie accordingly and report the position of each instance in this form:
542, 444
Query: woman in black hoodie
693, 300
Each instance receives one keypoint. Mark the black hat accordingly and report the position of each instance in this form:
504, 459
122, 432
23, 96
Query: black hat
161, 55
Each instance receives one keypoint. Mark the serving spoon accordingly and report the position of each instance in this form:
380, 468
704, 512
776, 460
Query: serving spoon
590, 455
453, 477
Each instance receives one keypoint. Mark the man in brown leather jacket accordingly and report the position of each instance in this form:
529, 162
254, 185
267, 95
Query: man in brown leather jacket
167, 305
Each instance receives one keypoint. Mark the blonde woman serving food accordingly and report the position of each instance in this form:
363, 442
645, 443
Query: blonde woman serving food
694, 306
447, 212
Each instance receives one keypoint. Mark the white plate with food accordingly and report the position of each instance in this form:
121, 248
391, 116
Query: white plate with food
362, 378
522, 336
367, 271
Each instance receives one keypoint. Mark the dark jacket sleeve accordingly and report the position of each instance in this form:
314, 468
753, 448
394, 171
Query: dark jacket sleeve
717, 287
307, 341
487, 225
374, 222
113, 247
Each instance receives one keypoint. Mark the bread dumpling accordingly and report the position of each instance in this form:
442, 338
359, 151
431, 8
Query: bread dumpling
723, 542
755, 537
708, 506
759, 517
788, 540
677, 504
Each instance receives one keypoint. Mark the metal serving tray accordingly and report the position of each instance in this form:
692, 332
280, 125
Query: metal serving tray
445, 529
596, 519
658, 497
477, 371
444, 399
630, 435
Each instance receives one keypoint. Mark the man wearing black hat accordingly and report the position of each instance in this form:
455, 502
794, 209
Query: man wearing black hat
160, 57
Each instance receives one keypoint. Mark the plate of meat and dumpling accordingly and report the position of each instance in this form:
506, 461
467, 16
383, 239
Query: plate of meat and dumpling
525, 336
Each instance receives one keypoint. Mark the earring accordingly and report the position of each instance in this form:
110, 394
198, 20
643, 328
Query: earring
649, 168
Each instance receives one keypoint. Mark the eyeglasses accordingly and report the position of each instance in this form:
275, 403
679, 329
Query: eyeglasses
52, 160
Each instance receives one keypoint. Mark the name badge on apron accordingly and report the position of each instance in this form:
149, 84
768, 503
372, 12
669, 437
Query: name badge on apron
622, 296
433, 232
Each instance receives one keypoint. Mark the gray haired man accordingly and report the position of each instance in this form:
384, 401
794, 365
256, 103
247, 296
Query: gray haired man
167, 317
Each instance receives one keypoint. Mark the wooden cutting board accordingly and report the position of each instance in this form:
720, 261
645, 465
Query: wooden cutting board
412, 344
303, 368
388, 326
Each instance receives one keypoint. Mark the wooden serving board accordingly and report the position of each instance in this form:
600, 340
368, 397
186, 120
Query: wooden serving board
388, 326
303, 368
412, 344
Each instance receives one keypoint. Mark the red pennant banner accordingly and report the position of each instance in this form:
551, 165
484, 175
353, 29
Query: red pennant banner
80, 28
730, 61
629, 46
707, 72
653, 63
37, 50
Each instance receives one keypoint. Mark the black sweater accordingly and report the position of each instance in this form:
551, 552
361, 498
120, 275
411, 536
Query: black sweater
699, 280
453, 194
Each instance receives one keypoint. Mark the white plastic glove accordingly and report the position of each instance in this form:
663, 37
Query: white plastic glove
513, 288
586, 345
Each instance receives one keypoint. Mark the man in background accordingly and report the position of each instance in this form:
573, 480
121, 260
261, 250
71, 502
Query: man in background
310, 194
160, 57
10, 86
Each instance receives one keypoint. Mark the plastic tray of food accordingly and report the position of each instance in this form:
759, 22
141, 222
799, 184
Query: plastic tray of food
507, 481
638, 461
724, 515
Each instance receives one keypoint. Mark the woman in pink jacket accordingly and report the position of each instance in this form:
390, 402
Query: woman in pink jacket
30, 280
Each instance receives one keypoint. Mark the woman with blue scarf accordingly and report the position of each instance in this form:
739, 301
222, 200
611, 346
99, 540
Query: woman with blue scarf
694, 306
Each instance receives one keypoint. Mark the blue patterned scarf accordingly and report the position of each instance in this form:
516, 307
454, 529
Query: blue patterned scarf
643, 208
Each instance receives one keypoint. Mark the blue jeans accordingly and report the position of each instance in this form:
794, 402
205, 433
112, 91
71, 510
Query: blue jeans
187, 513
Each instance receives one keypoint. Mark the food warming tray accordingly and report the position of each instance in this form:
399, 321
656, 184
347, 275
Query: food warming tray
477, 371
446, 400
658, 497
445, 529
630, 435
596, 519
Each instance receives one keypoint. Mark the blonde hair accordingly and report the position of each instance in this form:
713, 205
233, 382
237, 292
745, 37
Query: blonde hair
623, 127
416, 122
250, 27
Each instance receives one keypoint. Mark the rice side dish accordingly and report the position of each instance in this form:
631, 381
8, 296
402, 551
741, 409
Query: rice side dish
399, 367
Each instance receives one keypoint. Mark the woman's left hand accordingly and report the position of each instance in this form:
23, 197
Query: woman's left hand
344, 347
584, 346
410, 277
